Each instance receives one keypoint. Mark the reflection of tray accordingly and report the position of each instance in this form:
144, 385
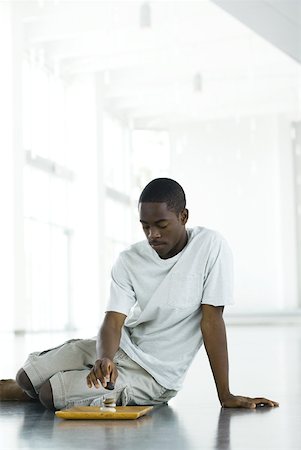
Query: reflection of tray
93, 412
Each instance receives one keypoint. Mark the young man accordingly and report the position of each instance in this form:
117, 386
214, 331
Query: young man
168, 294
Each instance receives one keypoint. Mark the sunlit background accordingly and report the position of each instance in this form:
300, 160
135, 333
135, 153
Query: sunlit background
99, 97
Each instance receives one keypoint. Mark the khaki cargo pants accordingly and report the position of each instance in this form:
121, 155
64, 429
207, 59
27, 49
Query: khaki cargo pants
67, 366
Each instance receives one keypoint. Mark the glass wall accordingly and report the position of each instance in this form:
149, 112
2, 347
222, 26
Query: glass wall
48, 188
61, 199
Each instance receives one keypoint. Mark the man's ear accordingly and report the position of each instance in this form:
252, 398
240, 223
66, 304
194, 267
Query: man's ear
184, 214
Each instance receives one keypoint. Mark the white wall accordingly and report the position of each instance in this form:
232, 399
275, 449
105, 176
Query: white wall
236, 174
287, 210
6, 172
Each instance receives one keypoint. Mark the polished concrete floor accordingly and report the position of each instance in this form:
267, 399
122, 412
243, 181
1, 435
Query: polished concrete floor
264, 360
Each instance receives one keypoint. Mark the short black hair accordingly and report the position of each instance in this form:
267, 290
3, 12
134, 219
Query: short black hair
164, 190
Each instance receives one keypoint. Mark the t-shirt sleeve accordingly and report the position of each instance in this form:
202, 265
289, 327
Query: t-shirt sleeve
122, 295
218, 283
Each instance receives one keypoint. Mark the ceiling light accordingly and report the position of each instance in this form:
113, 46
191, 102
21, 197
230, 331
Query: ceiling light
145, 15
197, 82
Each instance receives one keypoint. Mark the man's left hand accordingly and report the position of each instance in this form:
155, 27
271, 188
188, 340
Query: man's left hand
238, 401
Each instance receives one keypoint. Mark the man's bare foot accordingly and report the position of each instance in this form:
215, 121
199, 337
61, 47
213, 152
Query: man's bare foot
10, 391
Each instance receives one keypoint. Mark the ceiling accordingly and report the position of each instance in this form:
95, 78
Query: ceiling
195, 61
278, 21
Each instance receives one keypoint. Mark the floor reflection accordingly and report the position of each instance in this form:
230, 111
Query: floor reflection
160, 429
227, 416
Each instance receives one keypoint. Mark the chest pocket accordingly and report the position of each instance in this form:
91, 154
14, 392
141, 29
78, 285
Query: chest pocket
184, 291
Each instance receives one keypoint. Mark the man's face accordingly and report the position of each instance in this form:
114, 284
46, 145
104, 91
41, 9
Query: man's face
164, 229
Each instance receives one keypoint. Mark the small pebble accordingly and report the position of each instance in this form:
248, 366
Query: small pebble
108, 405
107, 409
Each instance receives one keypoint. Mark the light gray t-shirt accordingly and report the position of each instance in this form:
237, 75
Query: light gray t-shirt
162, 299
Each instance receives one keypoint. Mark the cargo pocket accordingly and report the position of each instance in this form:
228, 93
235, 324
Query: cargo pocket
167, 395
58, 346
122, 397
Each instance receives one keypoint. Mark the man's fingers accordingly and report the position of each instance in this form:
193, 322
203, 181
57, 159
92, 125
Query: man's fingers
92, 379
103, 371
111, 374
261, 401
265, 401
237, 401
89, 383
94, 376
111, 377
106, 369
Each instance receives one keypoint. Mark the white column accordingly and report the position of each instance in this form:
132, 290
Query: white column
6, 171
22, 311
99, 99
295, 132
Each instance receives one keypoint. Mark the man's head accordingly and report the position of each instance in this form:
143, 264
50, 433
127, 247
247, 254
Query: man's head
163, 214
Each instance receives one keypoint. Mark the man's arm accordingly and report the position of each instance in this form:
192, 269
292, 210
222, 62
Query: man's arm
215, 341
107, 344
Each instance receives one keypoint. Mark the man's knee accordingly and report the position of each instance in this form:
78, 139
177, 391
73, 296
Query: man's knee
46, 396
25, 384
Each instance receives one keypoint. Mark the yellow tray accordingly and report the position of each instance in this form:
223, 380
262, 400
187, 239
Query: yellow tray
93, 412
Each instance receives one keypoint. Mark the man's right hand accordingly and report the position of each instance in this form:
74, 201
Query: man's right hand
104, 370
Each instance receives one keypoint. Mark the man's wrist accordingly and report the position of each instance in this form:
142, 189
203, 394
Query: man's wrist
106, 356
225, 394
